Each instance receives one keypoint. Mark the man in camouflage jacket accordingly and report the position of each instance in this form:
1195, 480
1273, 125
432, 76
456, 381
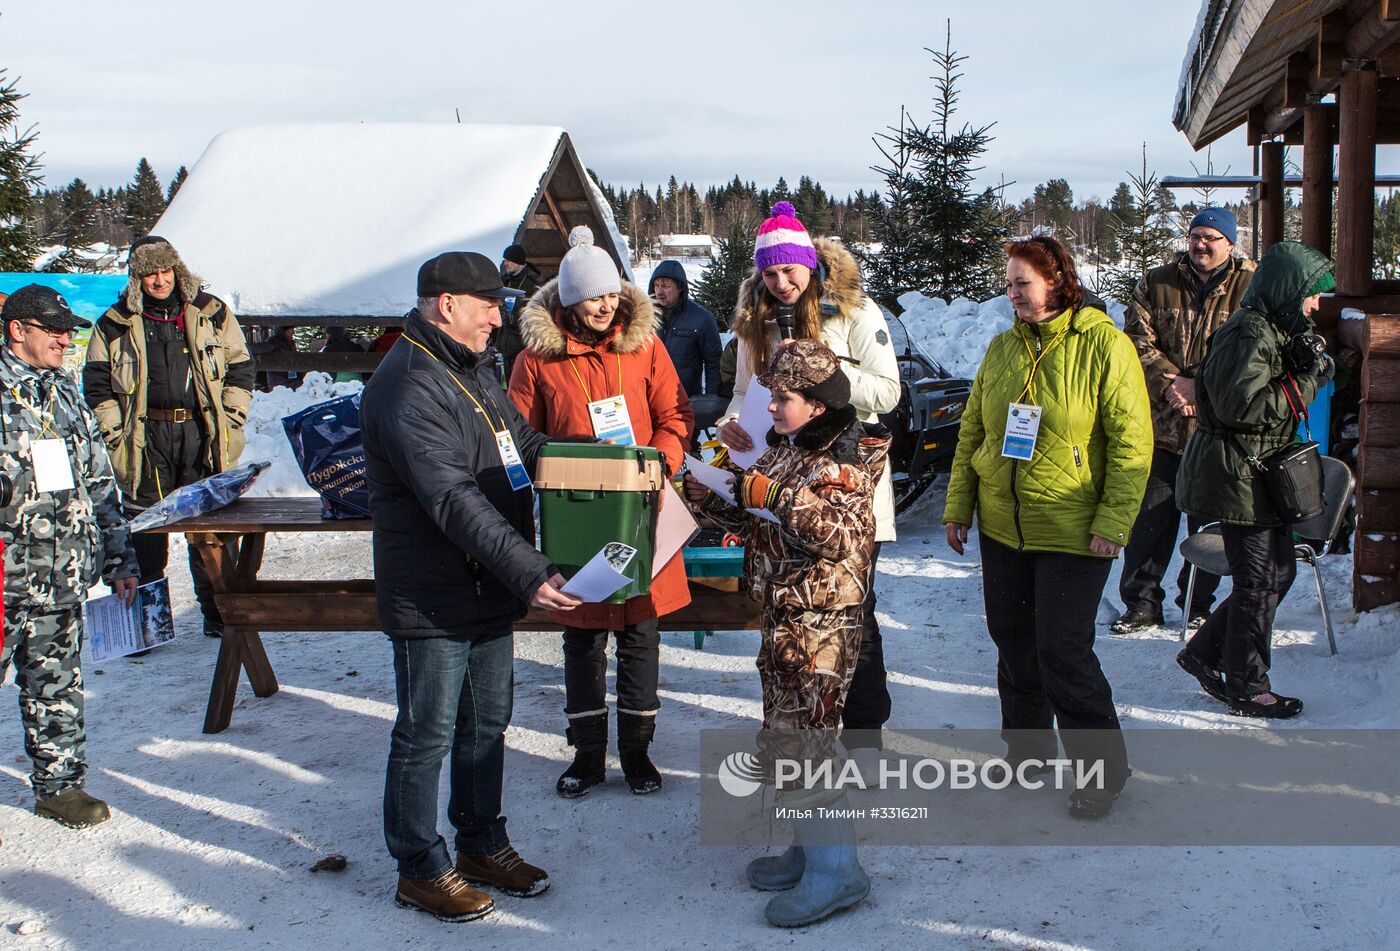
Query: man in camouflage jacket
63, 528
1174, 311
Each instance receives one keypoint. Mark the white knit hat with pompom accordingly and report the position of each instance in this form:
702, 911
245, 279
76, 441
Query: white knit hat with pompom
587, 271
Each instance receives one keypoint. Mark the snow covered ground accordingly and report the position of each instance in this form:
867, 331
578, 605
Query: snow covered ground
213, 837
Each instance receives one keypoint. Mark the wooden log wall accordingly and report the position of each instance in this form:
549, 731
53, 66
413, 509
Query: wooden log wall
1376, 577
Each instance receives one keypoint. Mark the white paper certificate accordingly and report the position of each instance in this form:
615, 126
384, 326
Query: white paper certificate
755, 420
717, 481
603, 576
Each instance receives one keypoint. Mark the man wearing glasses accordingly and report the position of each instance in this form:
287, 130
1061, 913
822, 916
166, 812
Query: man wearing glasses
62, 528
1174, 310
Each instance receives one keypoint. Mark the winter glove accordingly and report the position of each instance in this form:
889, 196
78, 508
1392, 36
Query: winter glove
1325, 369
754, 490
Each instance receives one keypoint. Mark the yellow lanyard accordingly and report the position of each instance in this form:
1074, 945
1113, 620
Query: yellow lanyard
1029, 389
45, 417
584, 386
489, 421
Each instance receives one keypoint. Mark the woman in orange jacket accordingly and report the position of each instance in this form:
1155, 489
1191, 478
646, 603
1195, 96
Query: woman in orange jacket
590, 336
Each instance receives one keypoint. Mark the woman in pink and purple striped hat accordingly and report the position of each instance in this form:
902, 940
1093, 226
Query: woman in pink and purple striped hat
813, 289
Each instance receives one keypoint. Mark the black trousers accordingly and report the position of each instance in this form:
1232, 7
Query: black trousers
1041, 607
1236, 637
868, 701
586, 669
174, 456
1153, 543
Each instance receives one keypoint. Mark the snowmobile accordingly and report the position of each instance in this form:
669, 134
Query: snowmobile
925, 424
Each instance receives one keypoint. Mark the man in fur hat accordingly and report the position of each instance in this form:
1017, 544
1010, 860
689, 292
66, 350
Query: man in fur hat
170, 379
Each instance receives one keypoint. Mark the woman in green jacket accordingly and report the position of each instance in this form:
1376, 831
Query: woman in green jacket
1053, 456
1259, 373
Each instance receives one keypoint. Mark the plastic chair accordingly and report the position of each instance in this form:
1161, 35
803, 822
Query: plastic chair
1206, 549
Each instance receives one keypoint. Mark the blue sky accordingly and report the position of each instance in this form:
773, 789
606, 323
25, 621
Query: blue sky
702, 90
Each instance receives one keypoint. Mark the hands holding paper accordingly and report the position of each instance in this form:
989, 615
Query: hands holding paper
549, 598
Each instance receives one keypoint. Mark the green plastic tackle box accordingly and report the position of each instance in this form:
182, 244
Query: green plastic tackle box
595, 493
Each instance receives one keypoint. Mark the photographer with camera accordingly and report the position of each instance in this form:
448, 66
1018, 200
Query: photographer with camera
1262, 369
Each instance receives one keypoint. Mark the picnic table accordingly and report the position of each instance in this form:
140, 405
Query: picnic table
232, 540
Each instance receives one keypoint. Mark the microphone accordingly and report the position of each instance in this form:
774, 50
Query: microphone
787, 322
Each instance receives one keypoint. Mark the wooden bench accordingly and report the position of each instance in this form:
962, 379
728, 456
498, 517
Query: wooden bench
231, 543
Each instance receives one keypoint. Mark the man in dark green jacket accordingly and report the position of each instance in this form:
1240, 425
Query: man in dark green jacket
1173, 312
1258, 376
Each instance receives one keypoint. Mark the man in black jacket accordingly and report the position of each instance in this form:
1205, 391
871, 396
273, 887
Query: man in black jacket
447, 461
689, 331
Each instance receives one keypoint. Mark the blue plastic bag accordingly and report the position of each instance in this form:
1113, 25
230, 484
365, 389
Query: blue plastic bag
200, 497
326, 440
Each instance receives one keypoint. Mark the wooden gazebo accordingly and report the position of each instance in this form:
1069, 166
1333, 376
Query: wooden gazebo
1322, 74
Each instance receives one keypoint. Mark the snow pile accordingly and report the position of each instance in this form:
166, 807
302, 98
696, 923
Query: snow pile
957, 333
267, 440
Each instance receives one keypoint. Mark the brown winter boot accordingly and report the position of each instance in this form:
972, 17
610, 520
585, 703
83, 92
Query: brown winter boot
74, 808
504, 871
447, 897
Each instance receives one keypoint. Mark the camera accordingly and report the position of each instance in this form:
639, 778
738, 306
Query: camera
1304, 352
7, 490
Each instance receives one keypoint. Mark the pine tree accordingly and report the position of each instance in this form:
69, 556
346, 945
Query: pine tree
77, 226
939, 235
1144, 231
145, 200
1054, 204
183, 173
19, 179
718, 287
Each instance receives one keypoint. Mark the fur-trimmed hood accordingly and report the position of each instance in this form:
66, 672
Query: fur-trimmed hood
543, 334
151, 254
843, 288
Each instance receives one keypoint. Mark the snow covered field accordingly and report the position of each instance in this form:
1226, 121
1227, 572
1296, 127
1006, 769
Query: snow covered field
213, 837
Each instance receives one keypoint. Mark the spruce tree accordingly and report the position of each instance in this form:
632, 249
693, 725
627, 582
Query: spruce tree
1144, 232
183, 173
718, 287
145, 200
19, 178
939, 235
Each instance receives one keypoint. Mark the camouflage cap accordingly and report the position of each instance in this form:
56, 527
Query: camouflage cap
41, 304
810, 368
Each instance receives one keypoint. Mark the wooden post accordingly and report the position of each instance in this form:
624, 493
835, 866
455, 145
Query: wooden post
1270, 195
1318, 131
1356, 182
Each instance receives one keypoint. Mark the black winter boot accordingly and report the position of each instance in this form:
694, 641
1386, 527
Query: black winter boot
589, 737
634, 735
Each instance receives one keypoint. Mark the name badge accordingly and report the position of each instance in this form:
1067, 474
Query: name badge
52, 470
1022, 427
510, 458
611, 422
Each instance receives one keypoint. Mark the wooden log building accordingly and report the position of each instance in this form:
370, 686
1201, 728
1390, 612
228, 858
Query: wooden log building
1323, 75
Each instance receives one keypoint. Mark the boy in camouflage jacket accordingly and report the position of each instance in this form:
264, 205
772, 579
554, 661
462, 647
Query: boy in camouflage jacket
810, 569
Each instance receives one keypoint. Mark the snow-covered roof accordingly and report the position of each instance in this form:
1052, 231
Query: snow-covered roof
335, 218
685, 240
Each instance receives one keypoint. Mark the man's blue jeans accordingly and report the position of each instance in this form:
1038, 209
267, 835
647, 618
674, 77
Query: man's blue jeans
454, 696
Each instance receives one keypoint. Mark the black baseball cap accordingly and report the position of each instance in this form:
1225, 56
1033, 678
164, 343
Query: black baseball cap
41, 304
462, 272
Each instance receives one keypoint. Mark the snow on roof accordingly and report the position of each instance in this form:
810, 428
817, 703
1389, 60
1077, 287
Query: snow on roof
335, 218
686, 239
